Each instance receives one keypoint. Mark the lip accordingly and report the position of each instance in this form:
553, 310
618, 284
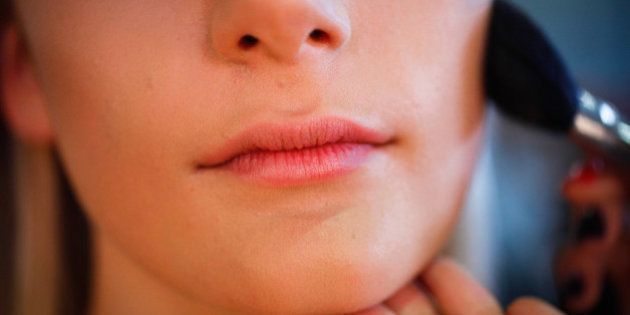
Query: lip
284, 154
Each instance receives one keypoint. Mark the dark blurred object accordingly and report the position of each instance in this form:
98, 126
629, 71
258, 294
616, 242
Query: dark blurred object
524, 74
8, 217
527, 79
7, 224
593, 37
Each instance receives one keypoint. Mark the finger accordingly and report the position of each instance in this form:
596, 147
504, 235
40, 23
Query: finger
456, 292
599, 227
579, 275
596, 196
376, 310
530, 305
593, 181
410, 300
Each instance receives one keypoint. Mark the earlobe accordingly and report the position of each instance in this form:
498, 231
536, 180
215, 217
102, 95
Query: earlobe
23, 102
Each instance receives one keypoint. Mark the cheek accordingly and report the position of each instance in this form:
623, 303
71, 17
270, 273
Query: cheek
123, 106
125, 111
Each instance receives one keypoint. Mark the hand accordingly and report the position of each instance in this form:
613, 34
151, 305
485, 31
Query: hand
447, 289
593, 269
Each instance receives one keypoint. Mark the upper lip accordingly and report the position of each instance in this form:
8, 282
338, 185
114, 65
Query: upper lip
295, 136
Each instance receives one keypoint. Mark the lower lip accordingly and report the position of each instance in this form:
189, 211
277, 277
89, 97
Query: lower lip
300, 166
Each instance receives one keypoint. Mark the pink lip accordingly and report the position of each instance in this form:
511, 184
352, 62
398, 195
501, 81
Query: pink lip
297, 153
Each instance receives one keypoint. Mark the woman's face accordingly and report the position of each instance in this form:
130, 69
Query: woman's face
143, 95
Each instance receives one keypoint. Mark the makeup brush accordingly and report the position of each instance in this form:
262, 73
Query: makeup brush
527, 79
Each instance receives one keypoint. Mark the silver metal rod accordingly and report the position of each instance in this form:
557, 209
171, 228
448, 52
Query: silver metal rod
601, 125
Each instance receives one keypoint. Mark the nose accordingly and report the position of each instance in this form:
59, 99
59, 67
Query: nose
281, 30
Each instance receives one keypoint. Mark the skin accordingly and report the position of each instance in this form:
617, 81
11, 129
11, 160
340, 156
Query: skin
133, 93
592, 259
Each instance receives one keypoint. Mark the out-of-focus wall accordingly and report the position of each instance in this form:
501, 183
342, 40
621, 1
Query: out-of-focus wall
594, 38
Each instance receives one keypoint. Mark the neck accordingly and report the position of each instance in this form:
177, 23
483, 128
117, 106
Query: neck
122, 286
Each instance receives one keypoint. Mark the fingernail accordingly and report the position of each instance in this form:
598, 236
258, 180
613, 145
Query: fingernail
591, 225
587, 172
572, 287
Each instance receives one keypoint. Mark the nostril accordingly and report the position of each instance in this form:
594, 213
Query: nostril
248, 42
319, 36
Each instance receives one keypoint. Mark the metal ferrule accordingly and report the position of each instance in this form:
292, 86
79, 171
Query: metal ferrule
600, 124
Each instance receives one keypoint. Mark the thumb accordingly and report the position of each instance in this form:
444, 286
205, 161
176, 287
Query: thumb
530, 305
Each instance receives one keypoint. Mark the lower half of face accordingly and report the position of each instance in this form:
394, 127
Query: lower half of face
137, 98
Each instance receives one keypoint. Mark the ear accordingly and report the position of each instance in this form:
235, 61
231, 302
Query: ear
22, 100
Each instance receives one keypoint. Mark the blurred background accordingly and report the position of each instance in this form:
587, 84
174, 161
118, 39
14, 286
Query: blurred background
594, 39
515, 219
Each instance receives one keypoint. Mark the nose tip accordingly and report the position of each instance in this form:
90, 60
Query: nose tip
242, 30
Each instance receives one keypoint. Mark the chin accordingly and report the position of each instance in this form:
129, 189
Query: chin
339, 294
343, 285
